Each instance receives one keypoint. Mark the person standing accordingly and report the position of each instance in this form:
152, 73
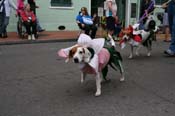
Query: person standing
171, 16
20, 6
2, 13
111, 12
5, 16
146, 8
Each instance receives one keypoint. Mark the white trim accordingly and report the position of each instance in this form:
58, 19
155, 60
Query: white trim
58, 7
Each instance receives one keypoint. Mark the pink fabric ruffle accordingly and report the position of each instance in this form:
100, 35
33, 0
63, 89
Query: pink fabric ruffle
62, 53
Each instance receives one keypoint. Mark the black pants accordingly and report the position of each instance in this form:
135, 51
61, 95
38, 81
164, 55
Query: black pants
30, 25
1, 21
88, 28
110, 23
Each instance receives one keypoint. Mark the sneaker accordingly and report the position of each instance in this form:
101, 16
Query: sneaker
41, 30
169, 52
29, 37
33, 37
4, 35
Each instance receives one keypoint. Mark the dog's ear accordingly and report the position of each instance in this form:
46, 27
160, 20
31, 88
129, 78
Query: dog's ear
71, 53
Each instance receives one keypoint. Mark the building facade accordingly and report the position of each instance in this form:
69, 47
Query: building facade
55, 13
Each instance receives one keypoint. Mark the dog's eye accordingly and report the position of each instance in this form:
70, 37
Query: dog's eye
81, 52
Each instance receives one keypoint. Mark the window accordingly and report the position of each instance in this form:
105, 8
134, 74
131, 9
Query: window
160, 1
133, 10
61, 3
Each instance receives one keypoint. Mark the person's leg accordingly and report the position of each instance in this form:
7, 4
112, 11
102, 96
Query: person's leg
4, 27
94, 30
86, 28
172, 45
1, 22
38, 26
34, 31
27, 26
34, 28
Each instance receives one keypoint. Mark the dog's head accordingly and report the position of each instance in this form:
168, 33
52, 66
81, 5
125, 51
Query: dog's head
81, 54
150, 23
126, 33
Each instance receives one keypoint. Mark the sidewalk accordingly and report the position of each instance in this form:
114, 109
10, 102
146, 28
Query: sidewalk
48, 36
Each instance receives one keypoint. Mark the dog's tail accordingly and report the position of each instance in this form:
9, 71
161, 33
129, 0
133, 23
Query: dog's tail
115, 59
115, 62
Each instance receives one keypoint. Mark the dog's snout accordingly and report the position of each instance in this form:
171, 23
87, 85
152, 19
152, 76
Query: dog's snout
76, 60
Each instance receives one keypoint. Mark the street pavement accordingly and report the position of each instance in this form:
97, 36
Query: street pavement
34, 81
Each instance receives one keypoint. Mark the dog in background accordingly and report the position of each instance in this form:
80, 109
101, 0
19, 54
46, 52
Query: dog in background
93, 58
138, 38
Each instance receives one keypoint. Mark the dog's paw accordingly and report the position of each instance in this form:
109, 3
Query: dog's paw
98, 93
82, 81
148, 54
122, 79
130, 57
137, 54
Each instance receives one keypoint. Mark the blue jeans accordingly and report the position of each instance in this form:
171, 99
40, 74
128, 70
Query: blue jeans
172, 45
38, 26
171, 17
5, 22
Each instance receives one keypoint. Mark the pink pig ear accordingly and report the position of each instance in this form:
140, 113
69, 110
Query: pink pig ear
62, 53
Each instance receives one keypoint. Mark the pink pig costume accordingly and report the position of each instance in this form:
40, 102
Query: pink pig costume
101, 56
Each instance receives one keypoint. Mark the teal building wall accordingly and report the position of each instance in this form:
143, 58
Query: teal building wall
50, 18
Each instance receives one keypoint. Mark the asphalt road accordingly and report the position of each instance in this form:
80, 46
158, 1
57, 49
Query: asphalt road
35, 82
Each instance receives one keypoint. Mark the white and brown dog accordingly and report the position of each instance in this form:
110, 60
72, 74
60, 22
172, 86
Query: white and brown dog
138, 38
93, 58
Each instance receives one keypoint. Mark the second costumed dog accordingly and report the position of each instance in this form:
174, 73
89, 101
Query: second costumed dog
93, 58
138, 38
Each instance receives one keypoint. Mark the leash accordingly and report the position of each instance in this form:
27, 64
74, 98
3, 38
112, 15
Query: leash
145, 15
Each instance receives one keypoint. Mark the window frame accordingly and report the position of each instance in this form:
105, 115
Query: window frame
61, 7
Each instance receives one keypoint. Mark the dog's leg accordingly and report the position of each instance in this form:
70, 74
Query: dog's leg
121, 71
83, 75
98, 84
131, 53
148, 52
137, 50
149, 49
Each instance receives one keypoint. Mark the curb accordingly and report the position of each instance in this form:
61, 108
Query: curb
36, 41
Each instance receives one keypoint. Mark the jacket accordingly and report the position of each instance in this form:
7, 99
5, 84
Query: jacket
9, 4
25, 16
